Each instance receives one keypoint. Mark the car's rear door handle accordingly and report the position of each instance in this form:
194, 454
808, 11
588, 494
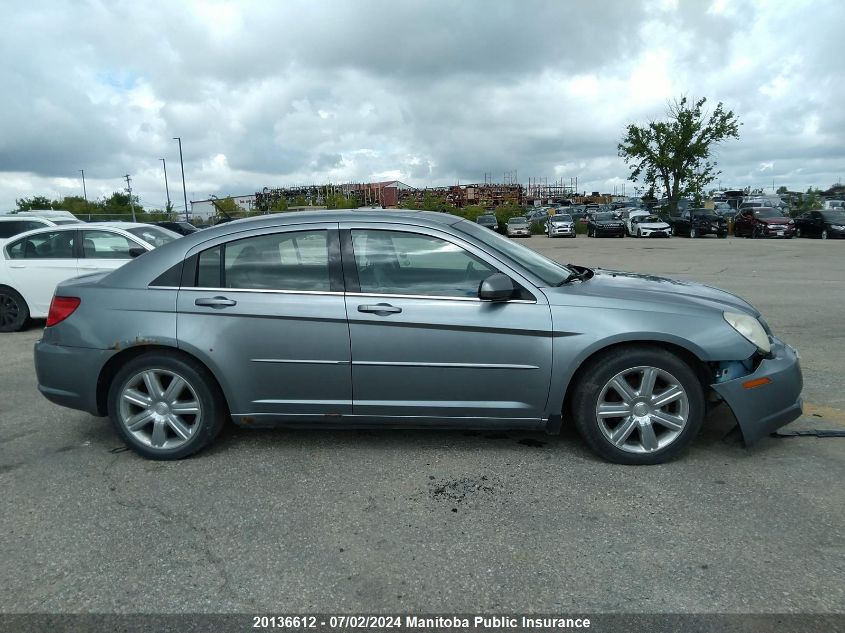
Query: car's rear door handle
215, 302
379, 308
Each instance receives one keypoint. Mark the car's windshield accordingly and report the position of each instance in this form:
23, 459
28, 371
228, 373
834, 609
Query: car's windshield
604, 217
550, 272
487, 218
563, 217
834, 216
518, 220
648, 218
767, 213
153, 235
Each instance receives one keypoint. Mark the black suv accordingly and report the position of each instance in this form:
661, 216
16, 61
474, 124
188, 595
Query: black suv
605, 223
698, 223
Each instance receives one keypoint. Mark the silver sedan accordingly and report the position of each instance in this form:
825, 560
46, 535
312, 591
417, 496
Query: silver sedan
411, 319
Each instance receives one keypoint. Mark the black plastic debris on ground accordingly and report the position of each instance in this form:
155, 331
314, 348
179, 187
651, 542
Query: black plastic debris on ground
811, 433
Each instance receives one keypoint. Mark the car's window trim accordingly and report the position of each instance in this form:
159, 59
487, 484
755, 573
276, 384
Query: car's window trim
190, 268
80, 250
350, 267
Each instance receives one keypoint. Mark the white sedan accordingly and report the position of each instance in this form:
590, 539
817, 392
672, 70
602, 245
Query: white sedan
649, 226
33, 263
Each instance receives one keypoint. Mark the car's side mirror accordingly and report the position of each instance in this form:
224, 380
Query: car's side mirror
496, 287
136, 251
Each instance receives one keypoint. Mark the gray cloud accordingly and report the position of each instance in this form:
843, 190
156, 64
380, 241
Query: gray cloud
267, 94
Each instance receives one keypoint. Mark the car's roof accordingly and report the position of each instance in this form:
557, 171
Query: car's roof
24, 218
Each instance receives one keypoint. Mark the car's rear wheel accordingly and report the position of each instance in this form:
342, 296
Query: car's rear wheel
13, 310
166, 406
638, 405
824, 234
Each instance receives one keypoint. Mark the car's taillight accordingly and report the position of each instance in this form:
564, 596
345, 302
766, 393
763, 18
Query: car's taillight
61, 308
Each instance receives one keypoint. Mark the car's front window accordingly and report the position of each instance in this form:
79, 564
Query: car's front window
153, 235
395, 262
562, 218
767, 213
106, 245
548, 271
834, 216
517, 221
604, 217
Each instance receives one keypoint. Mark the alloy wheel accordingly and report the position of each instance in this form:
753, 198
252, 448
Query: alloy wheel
160, 408
9, 310
824, 234
642, 409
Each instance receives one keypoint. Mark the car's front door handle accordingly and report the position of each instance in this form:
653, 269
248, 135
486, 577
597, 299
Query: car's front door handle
215, 302
379, 308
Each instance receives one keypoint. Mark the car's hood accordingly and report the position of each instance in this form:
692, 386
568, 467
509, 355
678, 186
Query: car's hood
617, 287
653, 225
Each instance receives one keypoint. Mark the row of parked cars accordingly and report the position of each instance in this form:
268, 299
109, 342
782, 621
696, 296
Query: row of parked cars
751, 220
39, 250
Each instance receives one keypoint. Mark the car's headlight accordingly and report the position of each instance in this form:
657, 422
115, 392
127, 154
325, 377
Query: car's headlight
837, 227
751, 329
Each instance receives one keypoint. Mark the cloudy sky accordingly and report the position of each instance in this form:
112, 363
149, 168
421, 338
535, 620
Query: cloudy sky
288, 92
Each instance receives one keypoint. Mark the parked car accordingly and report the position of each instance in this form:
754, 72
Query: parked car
601, 224
32, 263
450, 325
825, 224
560, 224
538, 215
698, 223
763, 222
488, 220
182, 228
13, 224
629, 217
518, 226
650, 226
57, 217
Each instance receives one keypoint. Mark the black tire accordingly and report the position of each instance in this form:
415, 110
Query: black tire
14, 313
602, 369
722, 236
212, 404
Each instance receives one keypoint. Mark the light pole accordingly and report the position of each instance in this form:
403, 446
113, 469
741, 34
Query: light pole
84, 191
166, 188
184, 189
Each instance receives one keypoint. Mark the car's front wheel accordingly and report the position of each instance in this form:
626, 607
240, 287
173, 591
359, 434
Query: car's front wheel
13, 310
166, 406
638, 405
824, 234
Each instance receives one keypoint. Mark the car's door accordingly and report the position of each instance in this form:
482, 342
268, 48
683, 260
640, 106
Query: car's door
104, 250
816, 224
425, 348
37, 263
265, 309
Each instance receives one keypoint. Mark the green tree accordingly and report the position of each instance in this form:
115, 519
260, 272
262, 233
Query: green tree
228, 208
279, 204
35, 202
339, 201
675, 154
782, 190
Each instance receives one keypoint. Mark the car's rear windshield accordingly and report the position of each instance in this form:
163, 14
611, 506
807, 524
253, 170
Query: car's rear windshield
153, 235
834, 216
550, 272
765, 212
604, 216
